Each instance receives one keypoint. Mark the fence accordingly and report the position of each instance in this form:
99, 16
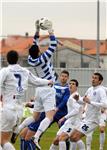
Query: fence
83, 75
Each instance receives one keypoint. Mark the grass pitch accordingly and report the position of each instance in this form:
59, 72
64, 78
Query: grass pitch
49, 135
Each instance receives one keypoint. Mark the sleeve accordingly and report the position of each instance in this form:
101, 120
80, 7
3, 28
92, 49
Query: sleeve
37, 81
43, 58
50, 51
80, 101
36, 39
103, 100
72, 113
47, 54
3, 75
64, 100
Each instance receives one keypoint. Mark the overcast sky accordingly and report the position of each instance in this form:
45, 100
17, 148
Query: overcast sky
73, 18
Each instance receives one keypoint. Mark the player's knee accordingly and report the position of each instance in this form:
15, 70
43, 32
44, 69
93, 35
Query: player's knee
23, 132
56, 141
102, 129
29, 136
74, 138
63, 137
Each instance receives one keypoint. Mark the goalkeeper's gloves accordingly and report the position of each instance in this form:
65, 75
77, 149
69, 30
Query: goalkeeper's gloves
37, 26
50, 29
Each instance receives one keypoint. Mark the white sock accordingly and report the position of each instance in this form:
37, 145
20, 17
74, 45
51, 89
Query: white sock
1, 148
25, 123
62, 145
42, 127
88, 142
8, 146
102, 139
81, 145
53, 147
73, 145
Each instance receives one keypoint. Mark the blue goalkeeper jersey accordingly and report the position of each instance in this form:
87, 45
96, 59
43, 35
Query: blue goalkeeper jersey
43, 64
62, 95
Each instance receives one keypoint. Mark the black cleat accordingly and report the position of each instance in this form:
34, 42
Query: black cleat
36, 143
14, 137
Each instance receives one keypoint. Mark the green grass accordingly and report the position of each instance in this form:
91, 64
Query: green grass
49, 135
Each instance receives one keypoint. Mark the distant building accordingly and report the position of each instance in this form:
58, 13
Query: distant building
70, 53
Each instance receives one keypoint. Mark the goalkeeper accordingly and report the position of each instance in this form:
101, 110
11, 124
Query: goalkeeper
45, 96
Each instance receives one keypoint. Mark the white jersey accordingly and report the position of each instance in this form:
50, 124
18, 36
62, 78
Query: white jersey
14, 82
98, 98
74, 109
73, 117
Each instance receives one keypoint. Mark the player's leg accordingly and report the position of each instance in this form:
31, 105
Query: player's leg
102, 126
81, 130
31, 130
57, 117
76, 137
23, 142
8, 122
5, 138
73, 146
55, 143
48, 101
28, 121
44, 125
88, 141
62, 140
1, 147
102, 137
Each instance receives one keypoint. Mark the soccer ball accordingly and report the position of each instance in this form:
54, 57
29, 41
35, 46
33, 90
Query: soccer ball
45, 24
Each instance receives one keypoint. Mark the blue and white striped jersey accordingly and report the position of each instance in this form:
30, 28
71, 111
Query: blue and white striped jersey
43, 64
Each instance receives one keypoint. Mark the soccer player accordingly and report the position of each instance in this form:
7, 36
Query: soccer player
102, 126
62, 95
44, 69
13, 84
72, 118
96, 98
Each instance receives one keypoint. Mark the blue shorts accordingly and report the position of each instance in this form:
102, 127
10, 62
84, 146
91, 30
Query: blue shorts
34, 125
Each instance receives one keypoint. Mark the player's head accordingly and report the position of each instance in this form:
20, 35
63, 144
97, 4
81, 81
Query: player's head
12, 57
97, 79
34, 51
73, 84
64, 76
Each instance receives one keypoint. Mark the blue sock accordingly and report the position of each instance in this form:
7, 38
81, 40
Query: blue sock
31, 145
23, 144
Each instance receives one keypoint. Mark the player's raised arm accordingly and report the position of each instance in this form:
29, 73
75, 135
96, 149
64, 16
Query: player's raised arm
38, 81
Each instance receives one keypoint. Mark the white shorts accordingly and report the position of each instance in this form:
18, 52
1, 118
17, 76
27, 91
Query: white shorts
44, 99
102, 119
67, 128
86, 127
8, 120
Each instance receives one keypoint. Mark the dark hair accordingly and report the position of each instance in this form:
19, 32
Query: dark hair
12, 57
74, 80
100, 76
34, 51
65, 71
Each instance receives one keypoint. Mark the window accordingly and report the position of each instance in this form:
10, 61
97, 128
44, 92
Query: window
62, 65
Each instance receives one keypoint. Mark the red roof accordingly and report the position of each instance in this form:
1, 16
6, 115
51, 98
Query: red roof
102, 50
22, 43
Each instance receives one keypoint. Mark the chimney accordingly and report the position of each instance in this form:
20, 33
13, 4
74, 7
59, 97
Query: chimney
26, 34
3, 42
